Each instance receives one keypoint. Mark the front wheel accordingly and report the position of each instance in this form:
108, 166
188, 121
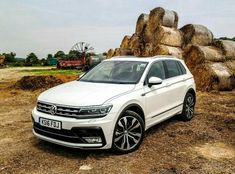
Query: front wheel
128, 132
188, 107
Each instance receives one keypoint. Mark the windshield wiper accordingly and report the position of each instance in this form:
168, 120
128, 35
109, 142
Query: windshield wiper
112, 82
124, 82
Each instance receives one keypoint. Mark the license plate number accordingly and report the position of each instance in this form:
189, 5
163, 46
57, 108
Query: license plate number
50, 123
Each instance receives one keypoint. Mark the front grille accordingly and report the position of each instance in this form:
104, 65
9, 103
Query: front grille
60, 110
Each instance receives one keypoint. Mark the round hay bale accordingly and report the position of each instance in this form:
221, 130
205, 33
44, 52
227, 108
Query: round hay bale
196, 35
110, 53
227, 46
126, 52
203, 54
213, 76
2, 58
231, 66
134, 42
168, 36
223, 77
141, 23
116, 52
203, 77
167, 50
160, 16
147, 50
147, 35
137, 52
125, 42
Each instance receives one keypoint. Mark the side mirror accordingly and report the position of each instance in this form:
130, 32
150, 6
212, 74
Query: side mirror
154, 81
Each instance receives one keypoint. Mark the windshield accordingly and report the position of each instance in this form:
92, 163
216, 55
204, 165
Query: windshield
123, 72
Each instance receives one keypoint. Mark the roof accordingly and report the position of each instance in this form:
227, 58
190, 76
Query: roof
143, 59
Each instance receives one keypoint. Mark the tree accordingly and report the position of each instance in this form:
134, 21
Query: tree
43, 62
60, 55
74, 54
31, 59
10, 57
226, 38
49, 56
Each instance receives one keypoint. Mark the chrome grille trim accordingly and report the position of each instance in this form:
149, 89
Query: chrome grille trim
68, 110
65, 111
43, 106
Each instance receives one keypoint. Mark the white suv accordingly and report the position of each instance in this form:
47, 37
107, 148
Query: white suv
113, 104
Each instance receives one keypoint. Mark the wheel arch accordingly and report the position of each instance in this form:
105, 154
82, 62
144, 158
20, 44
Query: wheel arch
135, 108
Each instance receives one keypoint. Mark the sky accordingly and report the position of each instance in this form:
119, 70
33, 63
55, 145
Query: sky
46, 26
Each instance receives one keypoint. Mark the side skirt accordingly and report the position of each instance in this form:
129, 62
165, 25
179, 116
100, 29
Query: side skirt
164, 116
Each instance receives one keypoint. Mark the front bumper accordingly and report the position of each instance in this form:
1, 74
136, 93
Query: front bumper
73, 130
67, 144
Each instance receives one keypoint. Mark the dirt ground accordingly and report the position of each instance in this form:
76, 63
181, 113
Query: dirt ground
204, 145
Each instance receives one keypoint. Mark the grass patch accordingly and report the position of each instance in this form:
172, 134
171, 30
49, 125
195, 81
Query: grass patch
53, 71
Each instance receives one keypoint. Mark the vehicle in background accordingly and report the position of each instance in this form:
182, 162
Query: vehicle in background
52, 61
81, 57
80, 63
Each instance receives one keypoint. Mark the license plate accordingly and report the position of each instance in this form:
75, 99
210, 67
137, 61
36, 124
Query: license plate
50, 123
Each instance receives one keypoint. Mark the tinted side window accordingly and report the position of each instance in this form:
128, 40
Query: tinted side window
172, 68
182, 67
157, 70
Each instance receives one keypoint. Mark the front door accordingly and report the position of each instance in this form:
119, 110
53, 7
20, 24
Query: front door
155, 95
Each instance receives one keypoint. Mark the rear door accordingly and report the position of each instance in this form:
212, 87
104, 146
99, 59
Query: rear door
175, 83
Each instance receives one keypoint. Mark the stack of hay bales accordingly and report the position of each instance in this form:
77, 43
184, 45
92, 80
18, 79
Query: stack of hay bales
212, 66
160, 34
228, 50
211, 61
156, 33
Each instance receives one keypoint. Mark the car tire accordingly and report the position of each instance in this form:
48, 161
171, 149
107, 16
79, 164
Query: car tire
128, 132
188, 107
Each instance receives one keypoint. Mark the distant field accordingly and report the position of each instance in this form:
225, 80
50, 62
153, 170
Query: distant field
52, 71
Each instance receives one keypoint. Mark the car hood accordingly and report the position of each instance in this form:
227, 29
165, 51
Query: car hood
77, 93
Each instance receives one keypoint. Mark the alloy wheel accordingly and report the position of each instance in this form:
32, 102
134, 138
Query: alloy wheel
128, 133
189, 106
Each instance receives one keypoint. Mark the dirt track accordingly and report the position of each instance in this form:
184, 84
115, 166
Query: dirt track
204, 145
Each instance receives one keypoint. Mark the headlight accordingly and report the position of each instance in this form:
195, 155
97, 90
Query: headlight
95, 111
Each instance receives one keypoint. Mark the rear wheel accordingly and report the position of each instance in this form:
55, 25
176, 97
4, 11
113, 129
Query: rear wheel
188, 107
128, 132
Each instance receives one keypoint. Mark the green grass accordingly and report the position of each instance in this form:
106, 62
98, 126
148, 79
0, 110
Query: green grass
53, 71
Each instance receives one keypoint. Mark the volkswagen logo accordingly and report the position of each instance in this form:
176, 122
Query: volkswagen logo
53, 109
